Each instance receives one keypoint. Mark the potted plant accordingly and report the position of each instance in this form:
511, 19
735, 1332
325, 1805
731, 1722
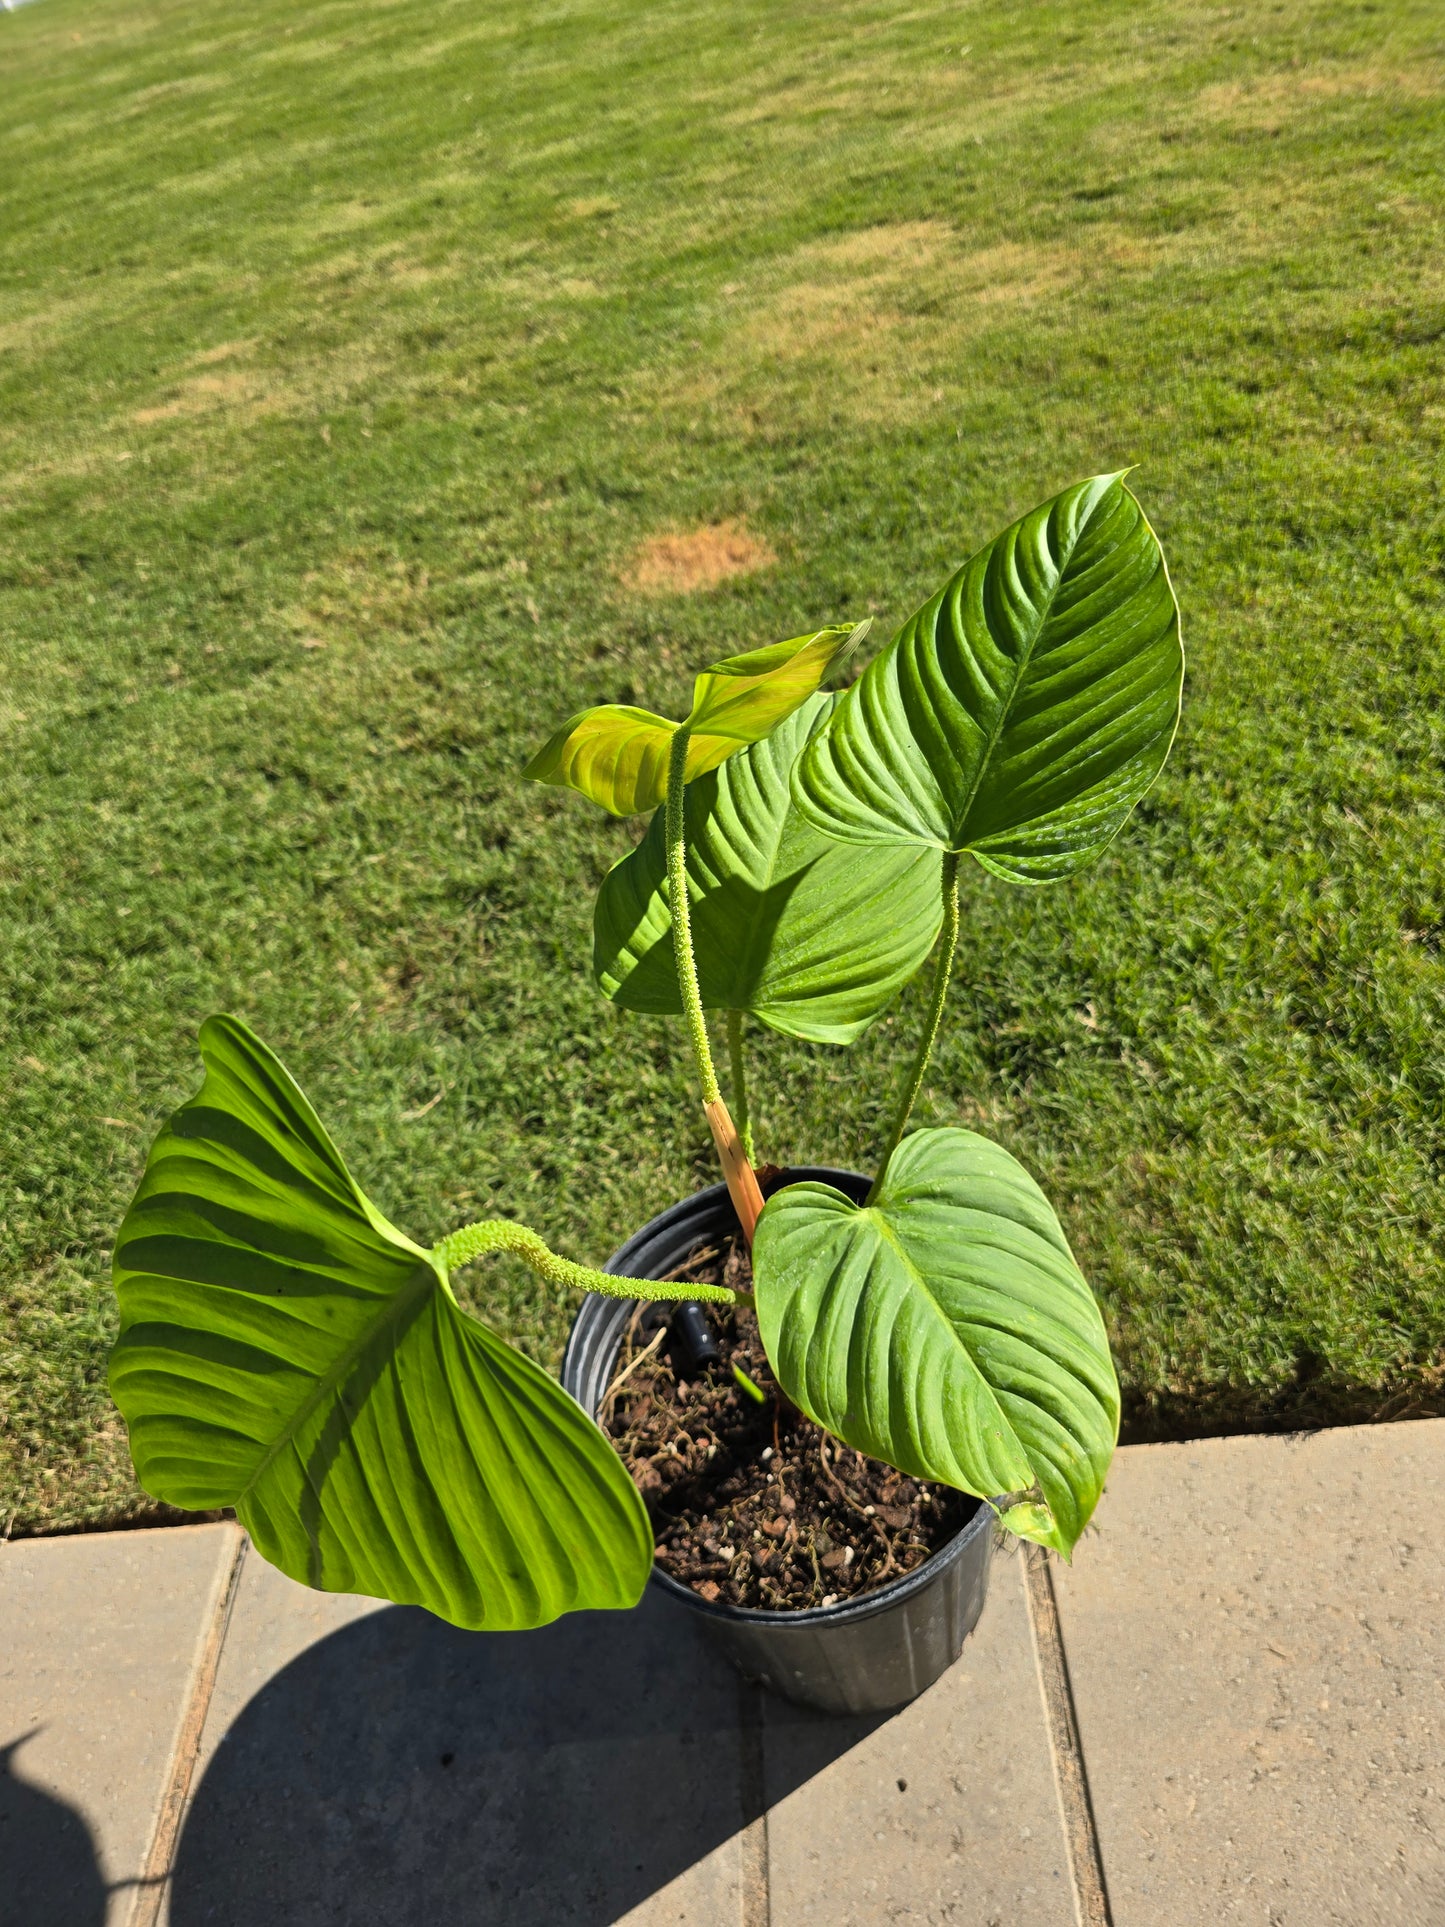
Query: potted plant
285, 1350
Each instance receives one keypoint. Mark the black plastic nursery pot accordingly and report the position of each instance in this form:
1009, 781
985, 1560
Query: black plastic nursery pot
864, 1655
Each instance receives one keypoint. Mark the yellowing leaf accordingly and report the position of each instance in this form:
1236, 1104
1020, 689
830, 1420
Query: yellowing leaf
1036, 1522
618, 755
615, 755
743, 698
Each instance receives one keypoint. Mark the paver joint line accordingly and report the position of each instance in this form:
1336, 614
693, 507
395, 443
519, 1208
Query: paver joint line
1086, 1862
151, 1889
756, 1899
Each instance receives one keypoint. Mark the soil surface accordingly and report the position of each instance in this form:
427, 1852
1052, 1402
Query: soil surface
752, 1503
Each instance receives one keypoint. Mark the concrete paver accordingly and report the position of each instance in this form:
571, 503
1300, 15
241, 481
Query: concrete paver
1254, 1654
947, 1812
366, 1763
99, 1641
1255, 1635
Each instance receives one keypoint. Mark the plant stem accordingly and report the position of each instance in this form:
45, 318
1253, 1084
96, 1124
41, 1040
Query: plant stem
739, 1078
736, 1164
948, 943
682, 917
502, 1234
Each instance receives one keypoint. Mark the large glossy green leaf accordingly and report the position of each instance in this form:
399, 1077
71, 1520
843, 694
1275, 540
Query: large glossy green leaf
1023, 712
946, 1329
618, 755
812, 936
287, 1351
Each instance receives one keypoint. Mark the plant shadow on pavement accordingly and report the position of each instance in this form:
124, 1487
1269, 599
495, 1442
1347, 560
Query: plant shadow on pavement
401, 1771
51, 1877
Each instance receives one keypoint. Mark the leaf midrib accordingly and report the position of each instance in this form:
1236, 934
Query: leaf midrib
403, 1301
1005, 708
886, 1231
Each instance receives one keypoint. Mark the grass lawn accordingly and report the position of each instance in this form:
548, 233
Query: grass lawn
356, 363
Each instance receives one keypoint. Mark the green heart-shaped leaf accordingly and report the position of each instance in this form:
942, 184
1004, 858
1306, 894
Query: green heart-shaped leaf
813, 937
1023, 712
946, 1329
618, 756
286, 1351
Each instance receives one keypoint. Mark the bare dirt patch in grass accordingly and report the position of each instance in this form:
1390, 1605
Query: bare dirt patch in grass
163, 90
683, 564
875, 320
911, 271
1268, 96
234, 395
368, 603
797, 101
888, 245
49, 322
202, 393
224, 351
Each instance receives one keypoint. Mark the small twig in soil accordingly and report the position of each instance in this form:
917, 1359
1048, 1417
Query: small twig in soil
863, 1513
681, 1274
631, 1366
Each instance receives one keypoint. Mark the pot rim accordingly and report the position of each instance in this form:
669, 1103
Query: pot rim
848, 1611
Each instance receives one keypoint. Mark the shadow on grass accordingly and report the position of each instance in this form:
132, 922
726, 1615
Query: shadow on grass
406, 1773
1311, 1402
